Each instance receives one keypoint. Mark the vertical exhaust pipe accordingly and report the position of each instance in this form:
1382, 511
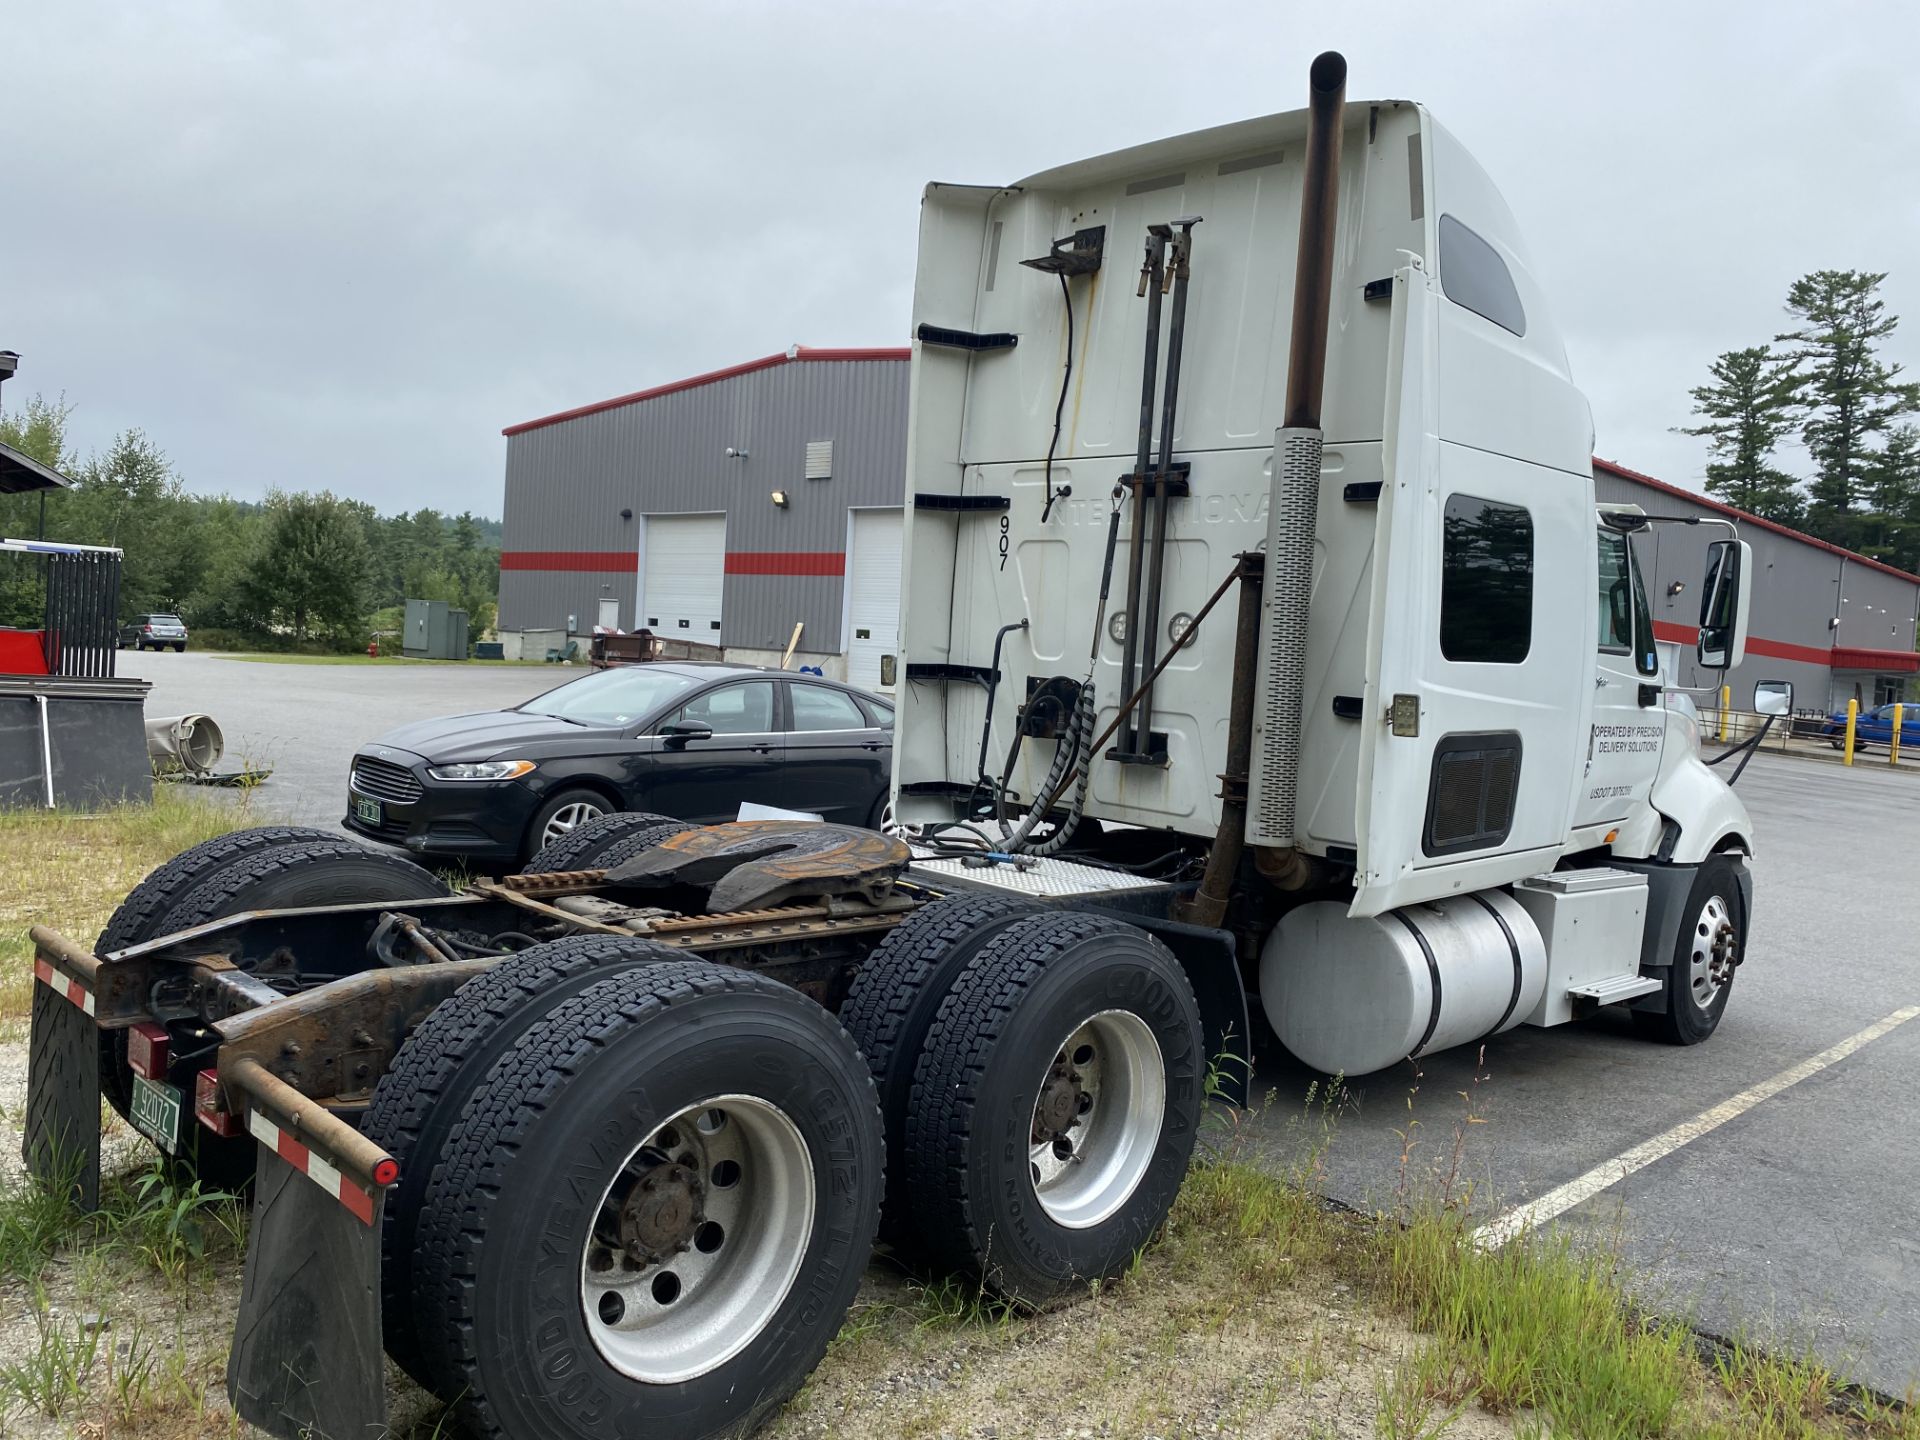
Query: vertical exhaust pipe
1292, 514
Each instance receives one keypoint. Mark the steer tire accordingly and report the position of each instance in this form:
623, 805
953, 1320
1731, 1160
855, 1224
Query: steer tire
509, 1225
892, 1003
149, 912
1045, 1002
1686, 1021
601, 844
419, 1099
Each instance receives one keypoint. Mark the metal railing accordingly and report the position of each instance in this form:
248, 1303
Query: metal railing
82, 636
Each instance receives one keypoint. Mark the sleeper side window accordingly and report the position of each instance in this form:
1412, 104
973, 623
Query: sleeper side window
1486, 581
1474, 277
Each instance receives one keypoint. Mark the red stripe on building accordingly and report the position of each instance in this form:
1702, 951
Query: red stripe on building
786, 562
1838, 658
603, 562
765, 362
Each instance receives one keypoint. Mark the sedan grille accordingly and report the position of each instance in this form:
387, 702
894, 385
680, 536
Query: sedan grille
384, 780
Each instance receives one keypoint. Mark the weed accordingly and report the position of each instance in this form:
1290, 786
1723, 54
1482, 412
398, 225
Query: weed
53, 1379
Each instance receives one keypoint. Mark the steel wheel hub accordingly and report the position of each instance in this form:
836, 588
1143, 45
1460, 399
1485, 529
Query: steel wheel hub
698, 1239
1096, 1119
1714, 950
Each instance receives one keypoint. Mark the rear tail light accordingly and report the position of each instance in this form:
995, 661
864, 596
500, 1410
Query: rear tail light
146, 629
207, 1106
147, 1050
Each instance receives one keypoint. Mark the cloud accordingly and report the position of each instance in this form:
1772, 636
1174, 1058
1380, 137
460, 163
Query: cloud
309, 245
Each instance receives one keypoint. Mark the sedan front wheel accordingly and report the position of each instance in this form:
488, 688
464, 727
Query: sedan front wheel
564, 813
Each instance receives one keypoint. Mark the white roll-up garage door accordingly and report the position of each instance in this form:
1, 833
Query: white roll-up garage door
873, 595
683, 575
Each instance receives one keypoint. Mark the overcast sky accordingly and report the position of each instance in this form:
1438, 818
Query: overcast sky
342, 245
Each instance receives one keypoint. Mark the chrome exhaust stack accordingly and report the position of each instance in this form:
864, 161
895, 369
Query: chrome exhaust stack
1292, 513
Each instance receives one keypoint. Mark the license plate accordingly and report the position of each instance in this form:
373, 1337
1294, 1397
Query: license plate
155, 1112
366, 811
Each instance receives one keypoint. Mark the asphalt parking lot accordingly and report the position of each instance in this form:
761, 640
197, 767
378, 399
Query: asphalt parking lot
305, 721
1795, 1222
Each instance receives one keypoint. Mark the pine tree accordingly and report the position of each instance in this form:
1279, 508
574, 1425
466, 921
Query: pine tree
1746, 412
1893, 500
1847, 393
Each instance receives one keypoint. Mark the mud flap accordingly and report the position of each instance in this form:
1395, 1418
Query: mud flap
307, 1352
62, 1145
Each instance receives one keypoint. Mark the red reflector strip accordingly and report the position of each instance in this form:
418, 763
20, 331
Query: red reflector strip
147, 1050
71, 990
207, 1106
359, 1201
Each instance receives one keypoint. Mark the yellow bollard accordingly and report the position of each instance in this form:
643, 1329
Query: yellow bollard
1893, 750
1853, 716
1726, 704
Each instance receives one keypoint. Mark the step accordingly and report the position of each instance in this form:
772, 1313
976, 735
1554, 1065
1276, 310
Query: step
1615, 988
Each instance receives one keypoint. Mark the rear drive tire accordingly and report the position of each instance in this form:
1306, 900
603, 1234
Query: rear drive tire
1055, 1106
603, 843
563, 813
419, 1099
266, 873
892, 1003
1706, 954
691, 1309
147, 913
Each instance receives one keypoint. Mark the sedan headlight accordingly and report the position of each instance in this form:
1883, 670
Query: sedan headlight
482, 770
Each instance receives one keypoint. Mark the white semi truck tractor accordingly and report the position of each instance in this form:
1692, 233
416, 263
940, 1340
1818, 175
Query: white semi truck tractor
1261, 638
1422, 771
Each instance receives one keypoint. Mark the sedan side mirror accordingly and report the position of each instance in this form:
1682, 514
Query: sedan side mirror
679, 732
1723, 605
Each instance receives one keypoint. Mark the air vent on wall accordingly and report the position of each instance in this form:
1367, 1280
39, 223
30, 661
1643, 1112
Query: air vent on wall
819, 459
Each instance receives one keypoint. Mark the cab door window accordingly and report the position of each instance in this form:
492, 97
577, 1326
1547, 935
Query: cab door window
1486, 582
1626, 620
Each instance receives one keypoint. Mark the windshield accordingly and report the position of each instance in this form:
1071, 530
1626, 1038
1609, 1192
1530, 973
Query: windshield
166, 619
614, 698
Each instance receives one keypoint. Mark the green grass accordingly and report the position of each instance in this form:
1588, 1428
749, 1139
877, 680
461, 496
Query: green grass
70, 870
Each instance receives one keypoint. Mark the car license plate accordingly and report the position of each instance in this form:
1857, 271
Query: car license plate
155, 1112
366, 811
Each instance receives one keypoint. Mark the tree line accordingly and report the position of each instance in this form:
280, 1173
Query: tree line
296, 570
1825, 382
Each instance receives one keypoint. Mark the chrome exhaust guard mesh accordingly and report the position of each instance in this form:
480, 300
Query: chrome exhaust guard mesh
1292, 518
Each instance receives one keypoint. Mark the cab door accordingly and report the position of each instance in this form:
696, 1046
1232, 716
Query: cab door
1479, 666
1624, 740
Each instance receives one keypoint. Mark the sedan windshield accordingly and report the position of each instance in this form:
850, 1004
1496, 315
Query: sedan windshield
613, 698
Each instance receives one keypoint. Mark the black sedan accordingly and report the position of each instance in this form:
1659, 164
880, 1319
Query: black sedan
690, 740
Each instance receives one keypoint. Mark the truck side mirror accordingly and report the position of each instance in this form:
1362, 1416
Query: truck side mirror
1723, 605
1773, 697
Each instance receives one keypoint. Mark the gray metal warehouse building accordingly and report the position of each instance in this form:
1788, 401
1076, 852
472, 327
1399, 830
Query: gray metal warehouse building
1837, 626
722, 509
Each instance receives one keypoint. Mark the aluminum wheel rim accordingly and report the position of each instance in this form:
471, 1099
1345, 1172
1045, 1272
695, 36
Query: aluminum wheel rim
676, 1290
1086, 1158
1711, 956
569, 817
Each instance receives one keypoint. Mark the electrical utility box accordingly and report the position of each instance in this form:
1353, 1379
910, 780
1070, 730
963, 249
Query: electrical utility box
433, 630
